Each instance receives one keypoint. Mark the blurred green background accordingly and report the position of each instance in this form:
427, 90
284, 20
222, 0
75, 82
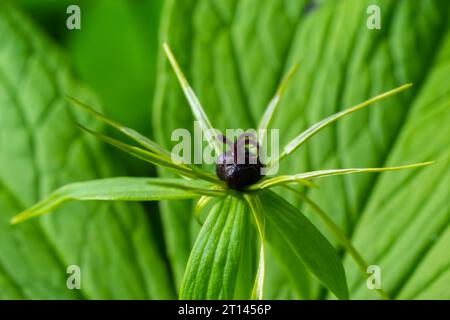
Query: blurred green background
234, 52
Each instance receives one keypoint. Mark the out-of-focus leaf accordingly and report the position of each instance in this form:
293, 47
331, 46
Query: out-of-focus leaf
41, 149
213, 267
115, 54
50, 14
257, 211
405, 227
123, 36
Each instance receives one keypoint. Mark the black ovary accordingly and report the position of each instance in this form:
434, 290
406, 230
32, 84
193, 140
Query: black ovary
239, 175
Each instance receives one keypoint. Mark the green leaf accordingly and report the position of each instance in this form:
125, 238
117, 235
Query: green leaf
259, 219
235, 53
162, 156
405, 227
213, 267
340, 236
129, 132
308, 133
305, 241
125, 79
194, 103
143, 154
210, 40
301, 177
113, 244
267, 117
118, 189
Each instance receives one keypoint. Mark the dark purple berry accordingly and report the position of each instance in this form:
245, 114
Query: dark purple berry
239, 167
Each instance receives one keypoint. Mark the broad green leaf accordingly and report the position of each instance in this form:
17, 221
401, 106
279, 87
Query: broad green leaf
213, 267
308, 244
282, 260
159, 159
337, 232
118, 189
123, 36
405, 227
41, 149
165, 156
236, 52
143, 154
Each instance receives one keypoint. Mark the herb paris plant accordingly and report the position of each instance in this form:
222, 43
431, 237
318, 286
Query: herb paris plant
271, 214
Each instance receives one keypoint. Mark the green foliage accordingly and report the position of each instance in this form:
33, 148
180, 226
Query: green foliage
307, 243
118, 189
41, 149
234, 54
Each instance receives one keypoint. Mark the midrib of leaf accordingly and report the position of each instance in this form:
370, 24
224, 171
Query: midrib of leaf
218, 249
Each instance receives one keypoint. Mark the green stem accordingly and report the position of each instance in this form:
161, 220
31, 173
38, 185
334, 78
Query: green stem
257, 212
340, 235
